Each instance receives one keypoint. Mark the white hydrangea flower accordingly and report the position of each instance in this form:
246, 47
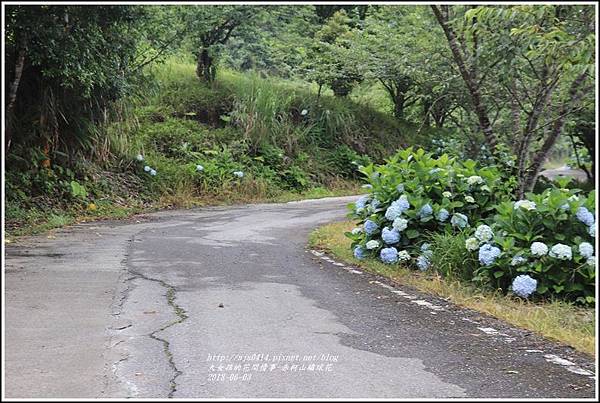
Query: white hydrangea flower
400, 224
474, 180
447, 194
591, 261
356, 231
539, 249
147, 168
403, 256
586, 249
561, 251
469, 199
525, 204
372, 244
484, 233
472, 244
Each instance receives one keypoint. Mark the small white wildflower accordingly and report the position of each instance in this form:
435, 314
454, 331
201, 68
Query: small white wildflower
199, 168
147, 168
447, 194
139, 157
469, 199
304, 112
153, 172
356, 231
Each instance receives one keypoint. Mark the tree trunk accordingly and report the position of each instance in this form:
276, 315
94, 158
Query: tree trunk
471, 83
575, 95
205, 68
399, 105
12, 93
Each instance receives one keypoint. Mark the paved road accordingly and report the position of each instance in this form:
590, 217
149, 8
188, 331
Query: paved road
228, 302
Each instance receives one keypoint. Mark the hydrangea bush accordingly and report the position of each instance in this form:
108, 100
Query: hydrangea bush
414, 194
546, 237
542, 245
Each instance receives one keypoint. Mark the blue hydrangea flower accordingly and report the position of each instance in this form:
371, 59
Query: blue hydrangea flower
584, 215
359, 252
426, 211
459, 220
390, 235
561, 251
423, 263
400, 188
517, 260
374, 204
443, 215
396, 208
389, 255
524, 285
592, 231
361, 202
370, 227
586, 249
488, 254
539, 249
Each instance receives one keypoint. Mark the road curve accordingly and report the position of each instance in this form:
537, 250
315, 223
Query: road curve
228, 302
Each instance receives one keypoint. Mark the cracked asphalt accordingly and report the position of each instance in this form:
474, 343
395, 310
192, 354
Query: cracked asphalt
228, 302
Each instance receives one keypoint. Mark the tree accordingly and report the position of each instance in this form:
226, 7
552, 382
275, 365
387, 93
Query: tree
208, 30
542, 61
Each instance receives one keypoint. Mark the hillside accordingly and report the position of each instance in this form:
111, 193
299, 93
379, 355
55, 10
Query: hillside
288, 143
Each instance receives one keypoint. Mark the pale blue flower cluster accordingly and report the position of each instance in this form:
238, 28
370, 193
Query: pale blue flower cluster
374, 204
389, 255
423, 263
524, 285
147, 168
488, 254
390, 235
239, 174
592, 231
538, 249
370, 227
484, 233
361, 203
359, 252
396, 208
403, 256
150, 170
525, 204
425, 211
517, 260
472, 244
443, 215
400, 188
400, 224
372, 244
586, 249
153, 172
459, 220
561, 251
584, 215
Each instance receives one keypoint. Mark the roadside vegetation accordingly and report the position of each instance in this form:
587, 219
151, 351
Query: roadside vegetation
553, 318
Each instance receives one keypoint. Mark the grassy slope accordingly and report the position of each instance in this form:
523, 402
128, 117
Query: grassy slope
556, 320
241, 122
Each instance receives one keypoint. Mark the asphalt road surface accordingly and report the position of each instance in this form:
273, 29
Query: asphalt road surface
230, 302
